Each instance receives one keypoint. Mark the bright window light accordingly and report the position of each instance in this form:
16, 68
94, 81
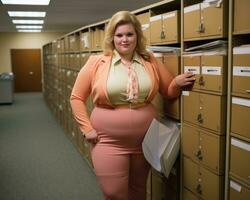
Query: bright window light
28, 27
26, 2
26, 14
17, 21
28, 30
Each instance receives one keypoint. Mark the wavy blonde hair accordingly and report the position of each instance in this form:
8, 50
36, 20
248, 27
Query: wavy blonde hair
121, 18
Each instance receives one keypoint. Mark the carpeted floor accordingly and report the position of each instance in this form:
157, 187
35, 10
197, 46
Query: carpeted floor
37, 160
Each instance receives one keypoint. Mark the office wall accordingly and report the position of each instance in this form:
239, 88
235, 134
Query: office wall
10, 41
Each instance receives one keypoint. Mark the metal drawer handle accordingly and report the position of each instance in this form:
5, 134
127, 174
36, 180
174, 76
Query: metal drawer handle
199, 155
201, 81
201, 28
199, 118
199, 189
163, 36
248, 91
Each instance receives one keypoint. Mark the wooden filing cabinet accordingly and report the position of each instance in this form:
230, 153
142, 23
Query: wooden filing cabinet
84, 58
210, 72
238, 191
201, 181
205, 20
74, 42
98, 37
206, 148
169, 28
241, 71
205, 110
240, 160
240, 120
144, 20
241, 16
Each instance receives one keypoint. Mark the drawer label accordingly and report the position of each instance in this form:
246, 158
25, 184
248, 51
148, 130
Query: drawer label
209, 70
166, 16
241, 71
185, 93
235, 186
144, 26
241, 50
192, 8
193, 69
241, 101
155, 18
240, 144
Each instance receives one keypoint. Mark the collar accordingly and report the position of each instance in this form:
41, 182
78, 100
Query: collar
116, 58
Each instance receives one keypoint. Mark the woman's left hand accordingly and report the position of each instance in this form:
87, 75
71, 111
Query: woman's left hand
184, 79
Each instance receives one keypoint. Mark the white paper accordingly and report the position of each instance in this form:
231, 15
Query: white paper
185, 93
161, 142
193, 69
155, 18
168, 15
192, 8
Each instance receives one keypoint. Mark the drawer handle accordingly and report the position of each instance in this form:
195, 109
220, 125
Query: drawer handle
247, 91
199, 118
201, 28
199, 155
198, 189
163, 36
201, 81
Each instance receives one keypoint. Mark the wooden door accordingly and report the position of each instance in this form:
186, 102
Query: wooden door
26, 66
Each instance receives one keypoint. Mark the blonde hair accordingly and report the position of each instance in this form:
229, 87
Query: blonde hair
121, 18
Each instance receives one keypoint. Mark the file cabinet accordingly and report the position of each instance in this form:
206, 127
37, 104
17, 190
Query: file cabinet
205, 110
238, 191
85, 41
210, 72
240, 160
164, 28
240, 120
205, 20
202, 182
187, 195
206, 148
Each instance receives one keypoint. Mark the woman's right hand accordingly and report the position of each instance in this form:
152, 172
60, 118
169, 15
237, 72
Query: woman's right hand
92, 137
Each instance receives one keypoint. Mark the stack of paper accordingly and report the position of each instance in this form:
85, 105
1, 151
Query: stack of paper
218, 47
164, 49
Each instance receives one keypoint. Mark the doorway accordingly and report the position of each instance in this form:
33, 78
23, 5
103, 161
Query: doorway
26, 66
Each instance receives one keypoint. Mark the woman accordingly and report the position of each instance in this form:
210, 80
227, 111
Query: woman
122, 82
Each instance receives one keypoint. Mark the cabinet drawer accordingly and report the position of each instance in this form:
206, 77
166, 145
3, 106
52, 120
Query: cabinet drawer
205, 110
240, 120
241, 16
191, 21
238, 191
240, 159
241, 71
201, 181
204, 147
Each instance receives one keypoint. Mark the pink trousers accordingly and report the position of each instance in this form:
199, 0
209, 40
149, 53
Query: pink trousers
118, 161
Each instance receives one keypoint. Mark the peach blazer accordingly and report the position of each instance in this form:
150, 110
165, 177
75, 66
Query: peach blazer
92, 80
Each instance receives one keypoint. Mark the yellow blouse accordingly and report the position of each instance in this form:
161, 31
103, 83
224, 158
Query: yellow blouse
118, 77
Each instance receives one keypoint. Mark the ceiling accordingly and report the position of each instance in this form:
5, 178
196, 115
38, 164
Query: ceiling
68, 15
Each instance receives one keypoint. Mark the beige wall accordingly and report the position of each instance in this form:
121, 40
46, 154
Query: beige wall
10, 41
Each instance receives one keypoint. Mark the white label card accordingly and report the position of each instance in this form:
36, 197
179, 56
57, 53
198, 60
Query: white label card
209, 70
193, 69
235, 186
155, 18
240, 144
185, 93
241, 101
166, 16
192, 8
241, 71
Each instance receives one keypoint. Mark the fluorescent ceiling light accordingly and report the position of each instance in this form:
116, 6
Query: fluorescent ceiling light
29, 27
26, 14
17, 21
26, 2
28, 30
